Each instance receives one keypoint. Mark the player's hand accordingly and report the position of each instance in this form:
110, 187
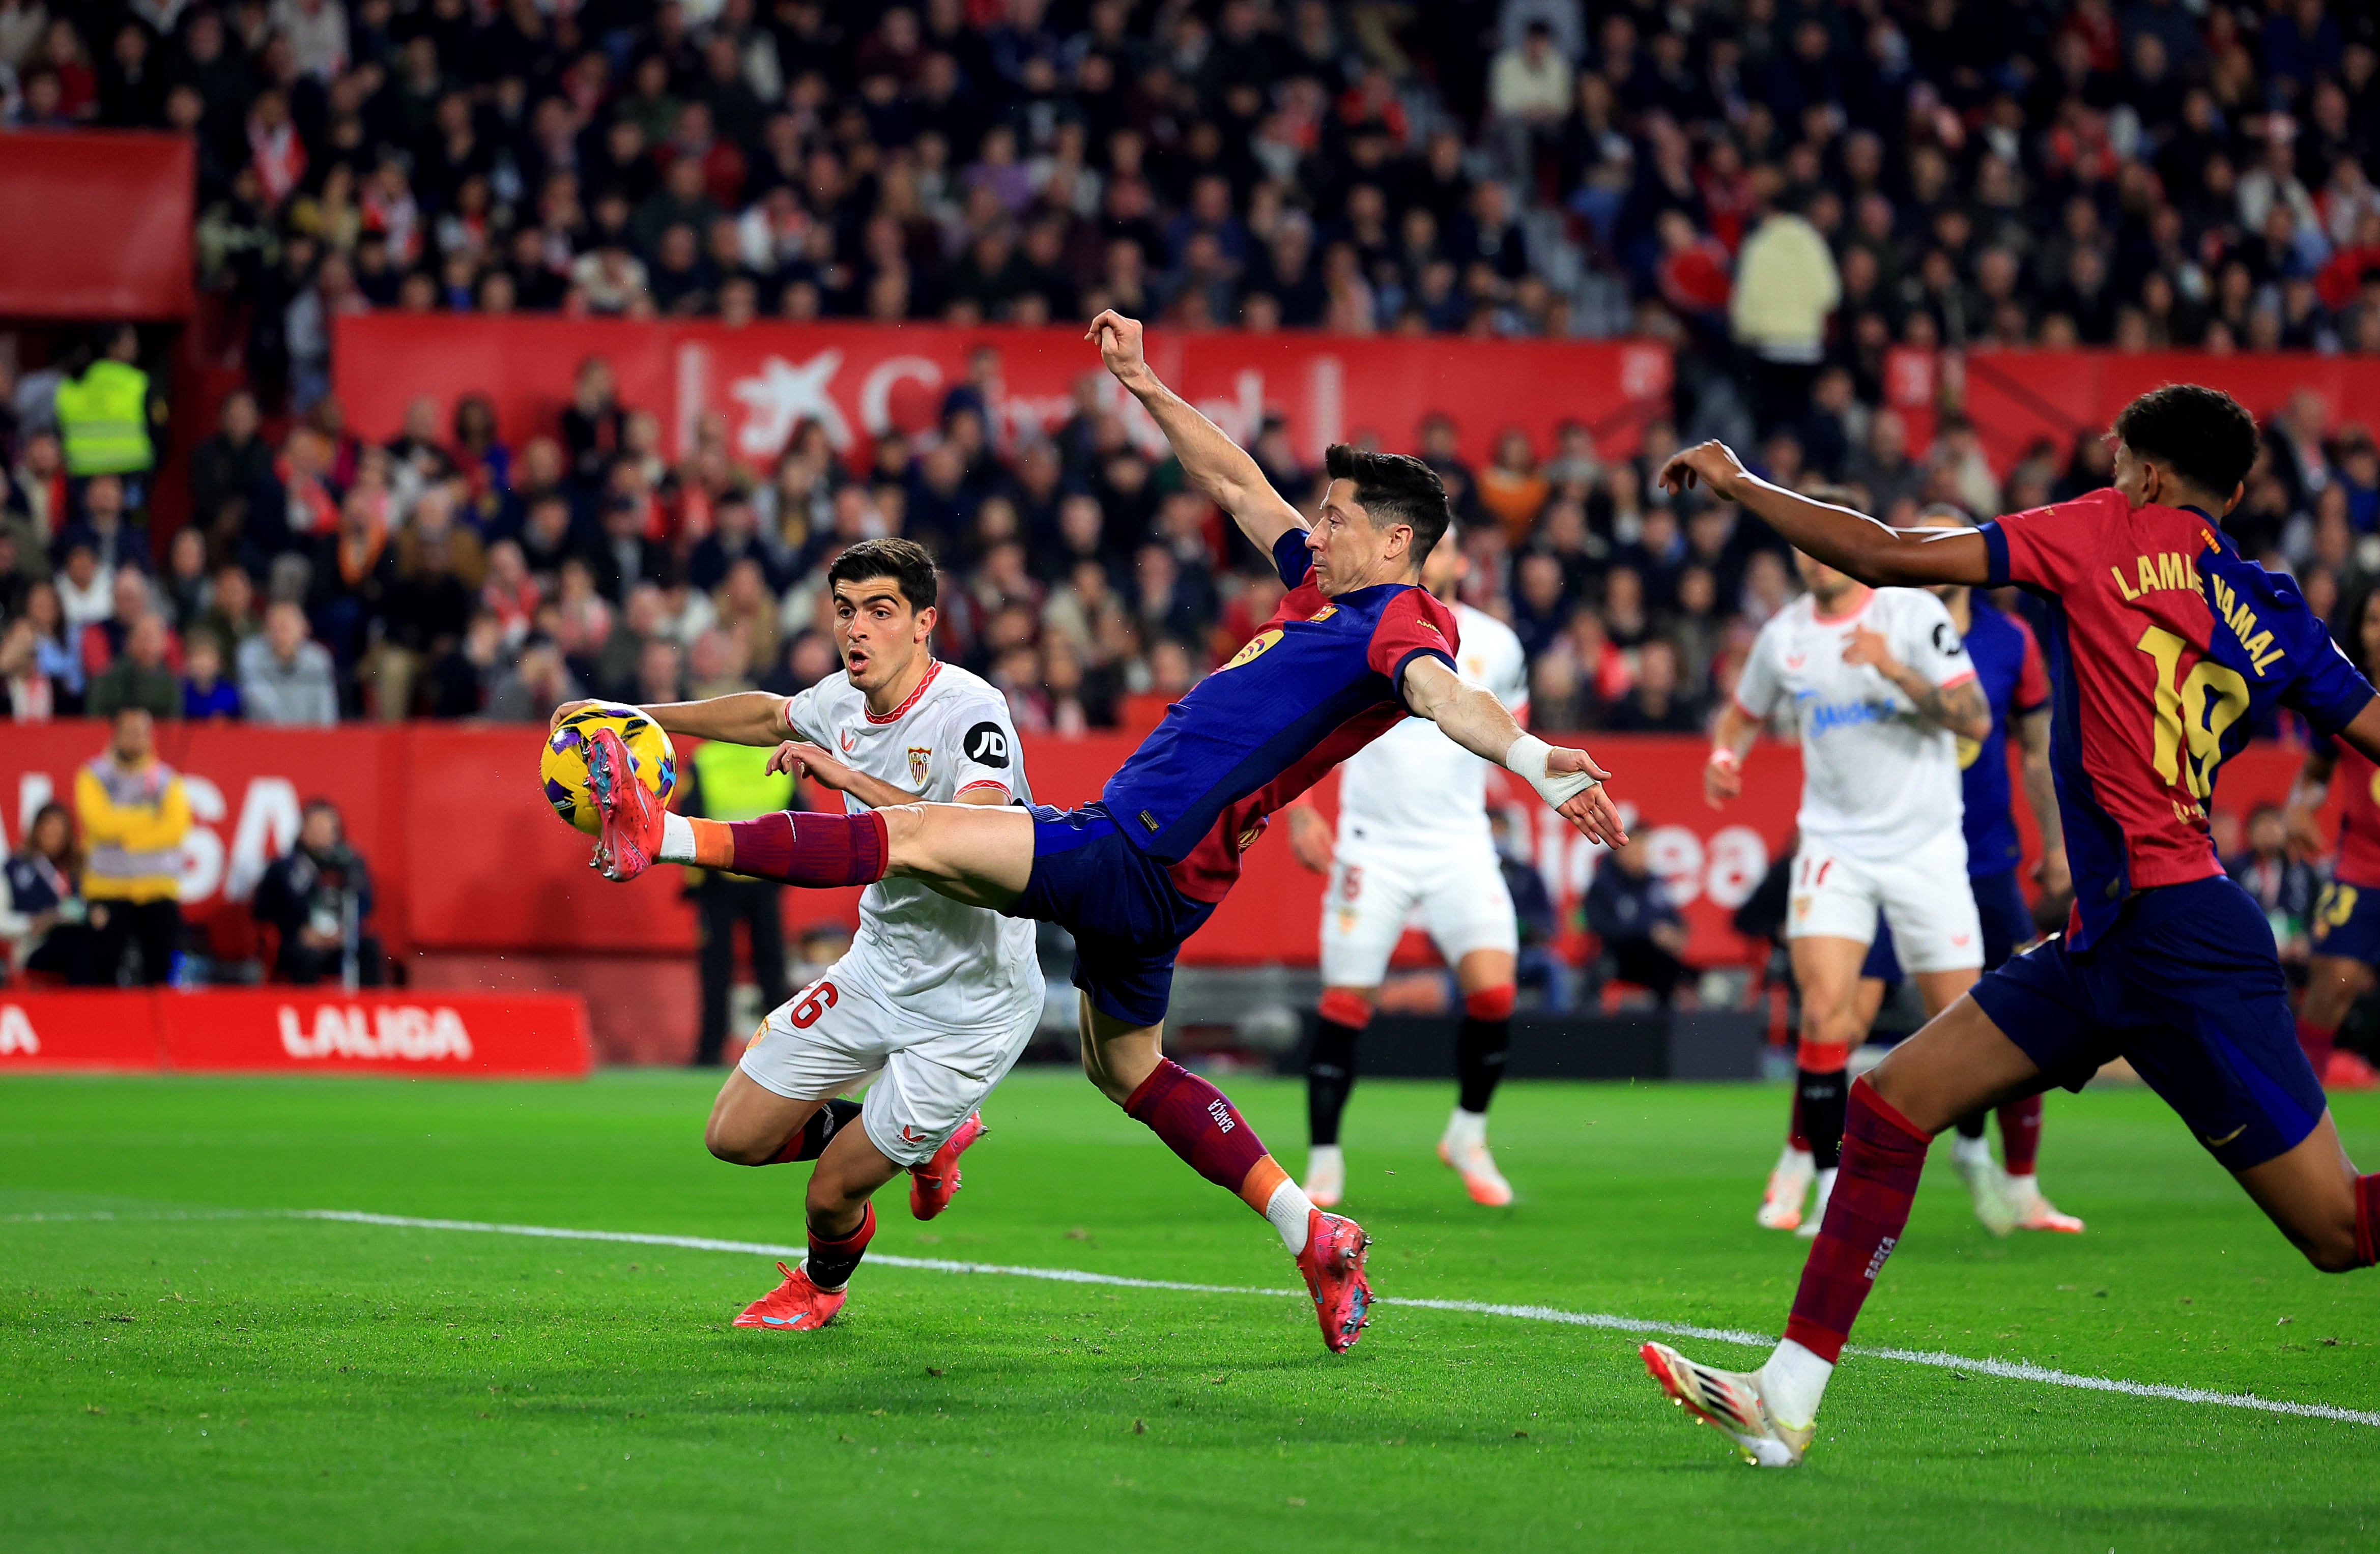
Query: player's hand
1592, 811
797, 759
1310, 839
1722, 779
1120, 346
1868, 646
565, 711
1713, 464
2052, 874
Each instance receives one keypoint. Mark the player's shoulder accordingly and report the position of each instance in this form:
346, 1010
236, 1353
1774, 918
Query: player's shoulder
831, 701
1798, 615
1913, 604
1484, 631
961, 693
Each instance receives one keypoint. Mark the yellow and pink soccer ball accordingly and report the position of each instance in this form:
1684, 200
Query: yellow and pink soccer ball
562, 765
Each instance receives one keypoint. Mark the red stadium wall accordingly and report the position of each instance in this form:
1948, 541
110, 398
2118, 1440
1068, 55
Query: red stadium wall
112, 210
480, 888
859, 379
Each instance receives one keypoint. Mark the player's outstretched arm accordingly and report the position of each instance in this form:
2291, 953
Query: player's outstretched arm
1473, 718
745, 718
1852, 541
1215, 463
1731, 742
798, 758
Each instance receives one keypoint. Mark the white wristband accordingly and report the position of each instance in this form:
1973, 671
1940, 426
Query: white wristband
1526, 757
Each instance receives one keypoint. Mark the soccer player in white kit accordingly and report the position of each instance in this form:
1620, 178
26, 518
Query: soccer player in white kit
1882, 691
935, 999
1413, 834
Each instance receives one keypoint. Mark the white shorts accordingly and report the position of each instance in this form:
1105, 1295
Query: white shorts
1923, 894
838, 1034
1374, 890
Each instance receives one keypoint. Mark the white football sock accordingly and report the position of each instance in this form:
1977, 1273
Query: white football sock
2027, 1182
1320, 1158
1288, 1208
1973, 1151
1792, 1383
678, 838
1466, 1130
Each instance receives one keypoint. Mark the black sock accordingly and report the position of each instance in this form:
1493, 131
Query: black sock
1972, 1125
1824, 1097
1329, 1074
1479, 1049
832, 1259
824, 1123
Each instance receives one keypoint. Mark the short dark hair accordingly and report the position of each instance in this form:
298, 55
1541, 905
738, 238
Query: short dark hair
905, 561
1394, 488
2203, 434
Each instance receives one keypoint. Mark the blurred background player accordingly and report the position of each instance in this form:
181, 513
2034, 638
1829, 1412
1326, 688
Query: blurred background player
2168, 645
2346, 930
1881, 690
2016, 687
935, 998
1355, 644
1413, 833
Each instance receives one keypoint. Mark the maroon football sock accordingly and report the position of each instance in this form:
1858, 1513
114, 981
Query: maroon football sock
2317, 1040
2367, 1219
831, 1258
809, 847
1199, 1124
1883, 1155
2020, 1135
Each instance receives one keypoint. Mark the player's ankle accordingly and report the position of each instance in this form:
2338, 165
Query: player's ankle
1792, 1383
1290, 1212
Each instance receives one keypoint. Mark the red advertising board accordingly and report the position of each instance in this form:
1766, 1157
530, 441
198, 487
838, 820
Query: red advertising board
466, 857
478, 1036
858, 380
112, 210
258, 1030
94, 1031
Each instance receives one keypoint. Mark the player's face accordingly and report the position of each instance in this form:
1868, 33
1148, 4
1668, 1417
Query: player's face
1818, 578
879, 636
1349, 553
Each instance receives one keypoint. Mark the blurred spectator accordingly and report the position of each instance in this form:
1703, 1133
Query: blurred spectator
284, 675
139, 676
2283, 884
1786, 287
133, 813
1642, 932
536, 682
205, 693
44, 917
105, 413
318, 899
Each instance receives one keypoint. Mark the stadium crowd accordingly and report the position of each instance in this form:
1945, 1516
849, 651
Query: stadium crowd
1782, 191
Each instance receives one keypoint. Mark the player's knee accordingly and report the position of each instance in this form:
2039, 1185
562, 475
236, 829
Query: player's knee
737, 1148
1345, 1006
1490, 1003
2335, 1250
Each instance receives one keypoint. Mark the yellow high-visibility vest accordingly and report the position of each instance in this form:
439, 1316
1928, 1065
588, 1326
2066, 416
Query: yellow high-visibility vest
104, 420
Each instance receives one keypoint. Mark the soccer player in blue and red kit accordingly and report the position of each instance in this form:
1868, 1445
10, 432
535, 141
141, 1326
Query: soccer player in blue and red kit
2163, 639
2347, 919
2016, 687
1356, 644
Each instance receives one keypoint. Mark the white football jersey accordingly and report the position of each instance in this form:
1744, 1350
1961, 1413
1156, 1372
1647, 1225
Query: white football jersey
1413, 785
1878, 780
962, 967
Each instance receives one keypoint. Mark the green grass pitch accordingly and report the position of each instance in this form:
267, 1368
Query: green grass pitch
174, 1381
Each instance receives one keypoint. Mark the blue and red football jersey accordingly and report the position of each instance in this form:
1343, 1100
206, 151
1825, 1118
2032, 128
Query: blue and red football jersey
1323, 679
2162, 638
2015, 681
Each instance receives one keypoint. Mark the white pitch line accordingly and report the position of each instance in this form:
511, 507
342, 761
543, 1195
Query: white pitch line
2010, 1370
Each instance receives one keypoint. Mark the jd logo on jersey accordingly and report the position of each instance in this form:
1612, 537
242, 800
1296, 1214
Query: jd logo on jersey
986, 745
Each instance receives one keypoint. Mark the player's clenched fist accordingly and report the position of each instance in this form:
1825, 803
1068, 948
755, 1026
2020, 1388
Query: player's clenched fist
1120, 346
1712, 463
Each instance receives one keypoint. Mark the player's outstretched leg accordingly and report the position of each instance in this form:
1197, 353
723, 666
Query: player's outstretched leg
1480, 1047
935, 1183
1340, 1019
2021, 1147
1198, 1122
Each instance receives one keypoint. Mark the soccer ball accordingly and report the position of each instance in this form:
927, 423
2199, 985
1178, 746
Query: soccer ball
562, 765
